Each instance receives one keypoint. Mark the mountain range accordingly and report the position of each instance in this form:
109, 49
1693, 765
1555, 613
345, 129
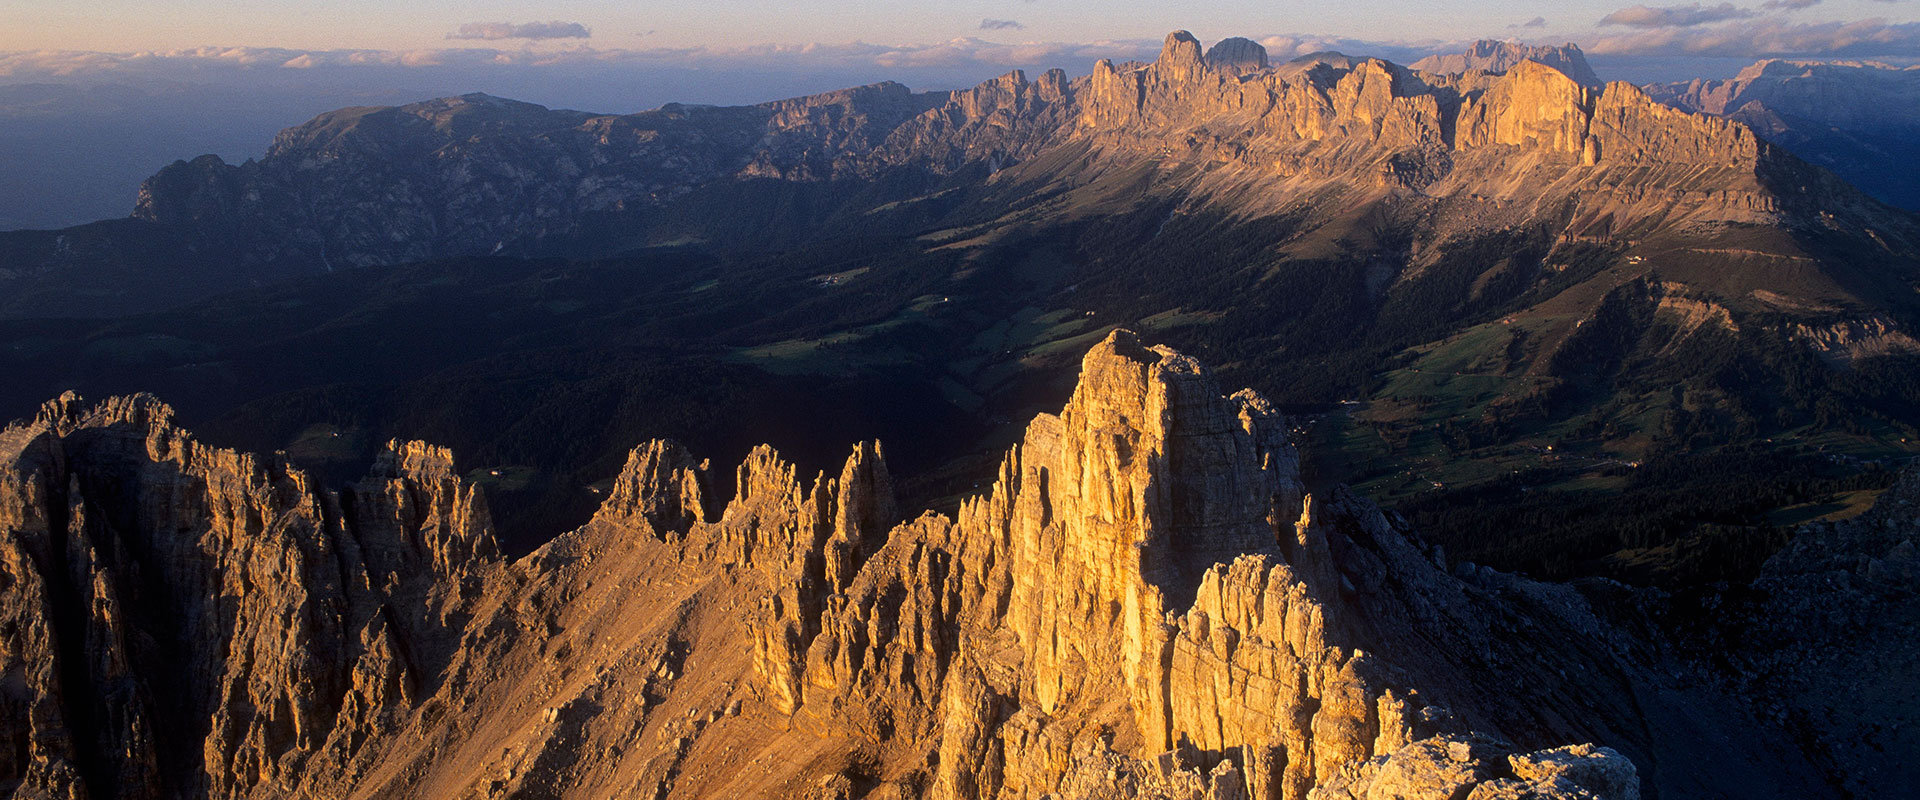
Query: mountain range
1569, 465
479, 175
1507, 289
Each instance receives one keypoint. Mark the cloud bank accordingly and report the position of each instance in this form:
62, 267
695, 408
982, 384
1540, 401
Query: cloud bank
496, 31
1677, 16
1776, 37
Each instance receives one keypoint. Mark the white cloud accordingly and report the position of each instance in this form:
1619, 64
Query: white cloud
1676, 16
1772, 37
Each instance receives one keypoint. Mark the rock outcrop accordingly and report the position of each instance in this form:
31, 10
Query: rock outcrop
191, 621
1145, 603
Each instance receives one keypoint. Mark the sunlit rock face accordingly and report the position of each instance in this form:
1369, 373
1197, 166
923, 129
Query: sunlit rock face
472, 174
1146, 602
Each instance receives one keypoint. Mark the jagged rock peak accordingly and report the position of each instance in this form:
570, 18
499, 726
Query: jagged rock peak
413, 458
1179, 45
1180, 56
661, 485
70, 411
1099, 585
864, 506
417, 495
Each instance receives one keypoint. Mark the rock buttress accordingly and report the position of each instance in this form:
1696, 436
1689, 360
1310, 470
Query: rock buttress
206, 622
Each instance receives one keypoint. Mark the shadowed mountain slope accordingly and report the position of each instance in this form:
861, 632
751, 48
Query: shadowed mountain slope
1859, 119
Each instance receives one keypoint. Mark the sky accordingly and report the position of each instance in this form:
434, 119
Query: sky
624, 55
135, 25
122, 26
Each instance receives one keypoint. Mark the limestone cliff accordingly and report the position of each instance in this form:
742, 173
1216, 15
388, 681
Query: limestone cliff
475, 174
1536, 143
1531, 135
1146, 602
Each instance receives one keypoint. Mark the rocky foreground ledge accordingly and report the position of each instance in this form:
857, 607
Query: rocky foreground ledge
1146, 603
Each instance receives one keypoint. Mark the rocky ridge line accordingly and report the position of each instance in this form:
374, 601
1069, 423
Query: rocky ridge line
1489, 55
1144, 603
474, 174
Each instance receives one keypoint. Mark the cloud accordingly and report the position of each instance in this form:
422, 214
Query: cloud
1677, 16
1001, 25
210, 62
1767, 38
1536, 22
1792, 5
495, 31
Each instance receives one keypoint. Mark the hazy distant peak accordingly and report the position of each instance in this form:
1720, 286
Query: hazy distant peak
472, 103
1237, 54
1845, 93
1488, 55
1775, 68
1327, 56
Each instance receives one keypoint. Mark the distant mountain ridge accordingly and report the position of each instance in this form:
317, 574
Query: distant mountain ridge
1491, 55
1860, 119
475, 174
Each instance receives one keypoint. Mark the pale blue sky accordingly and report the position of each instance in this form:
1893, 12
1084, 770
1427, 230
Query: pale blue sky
131, 25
